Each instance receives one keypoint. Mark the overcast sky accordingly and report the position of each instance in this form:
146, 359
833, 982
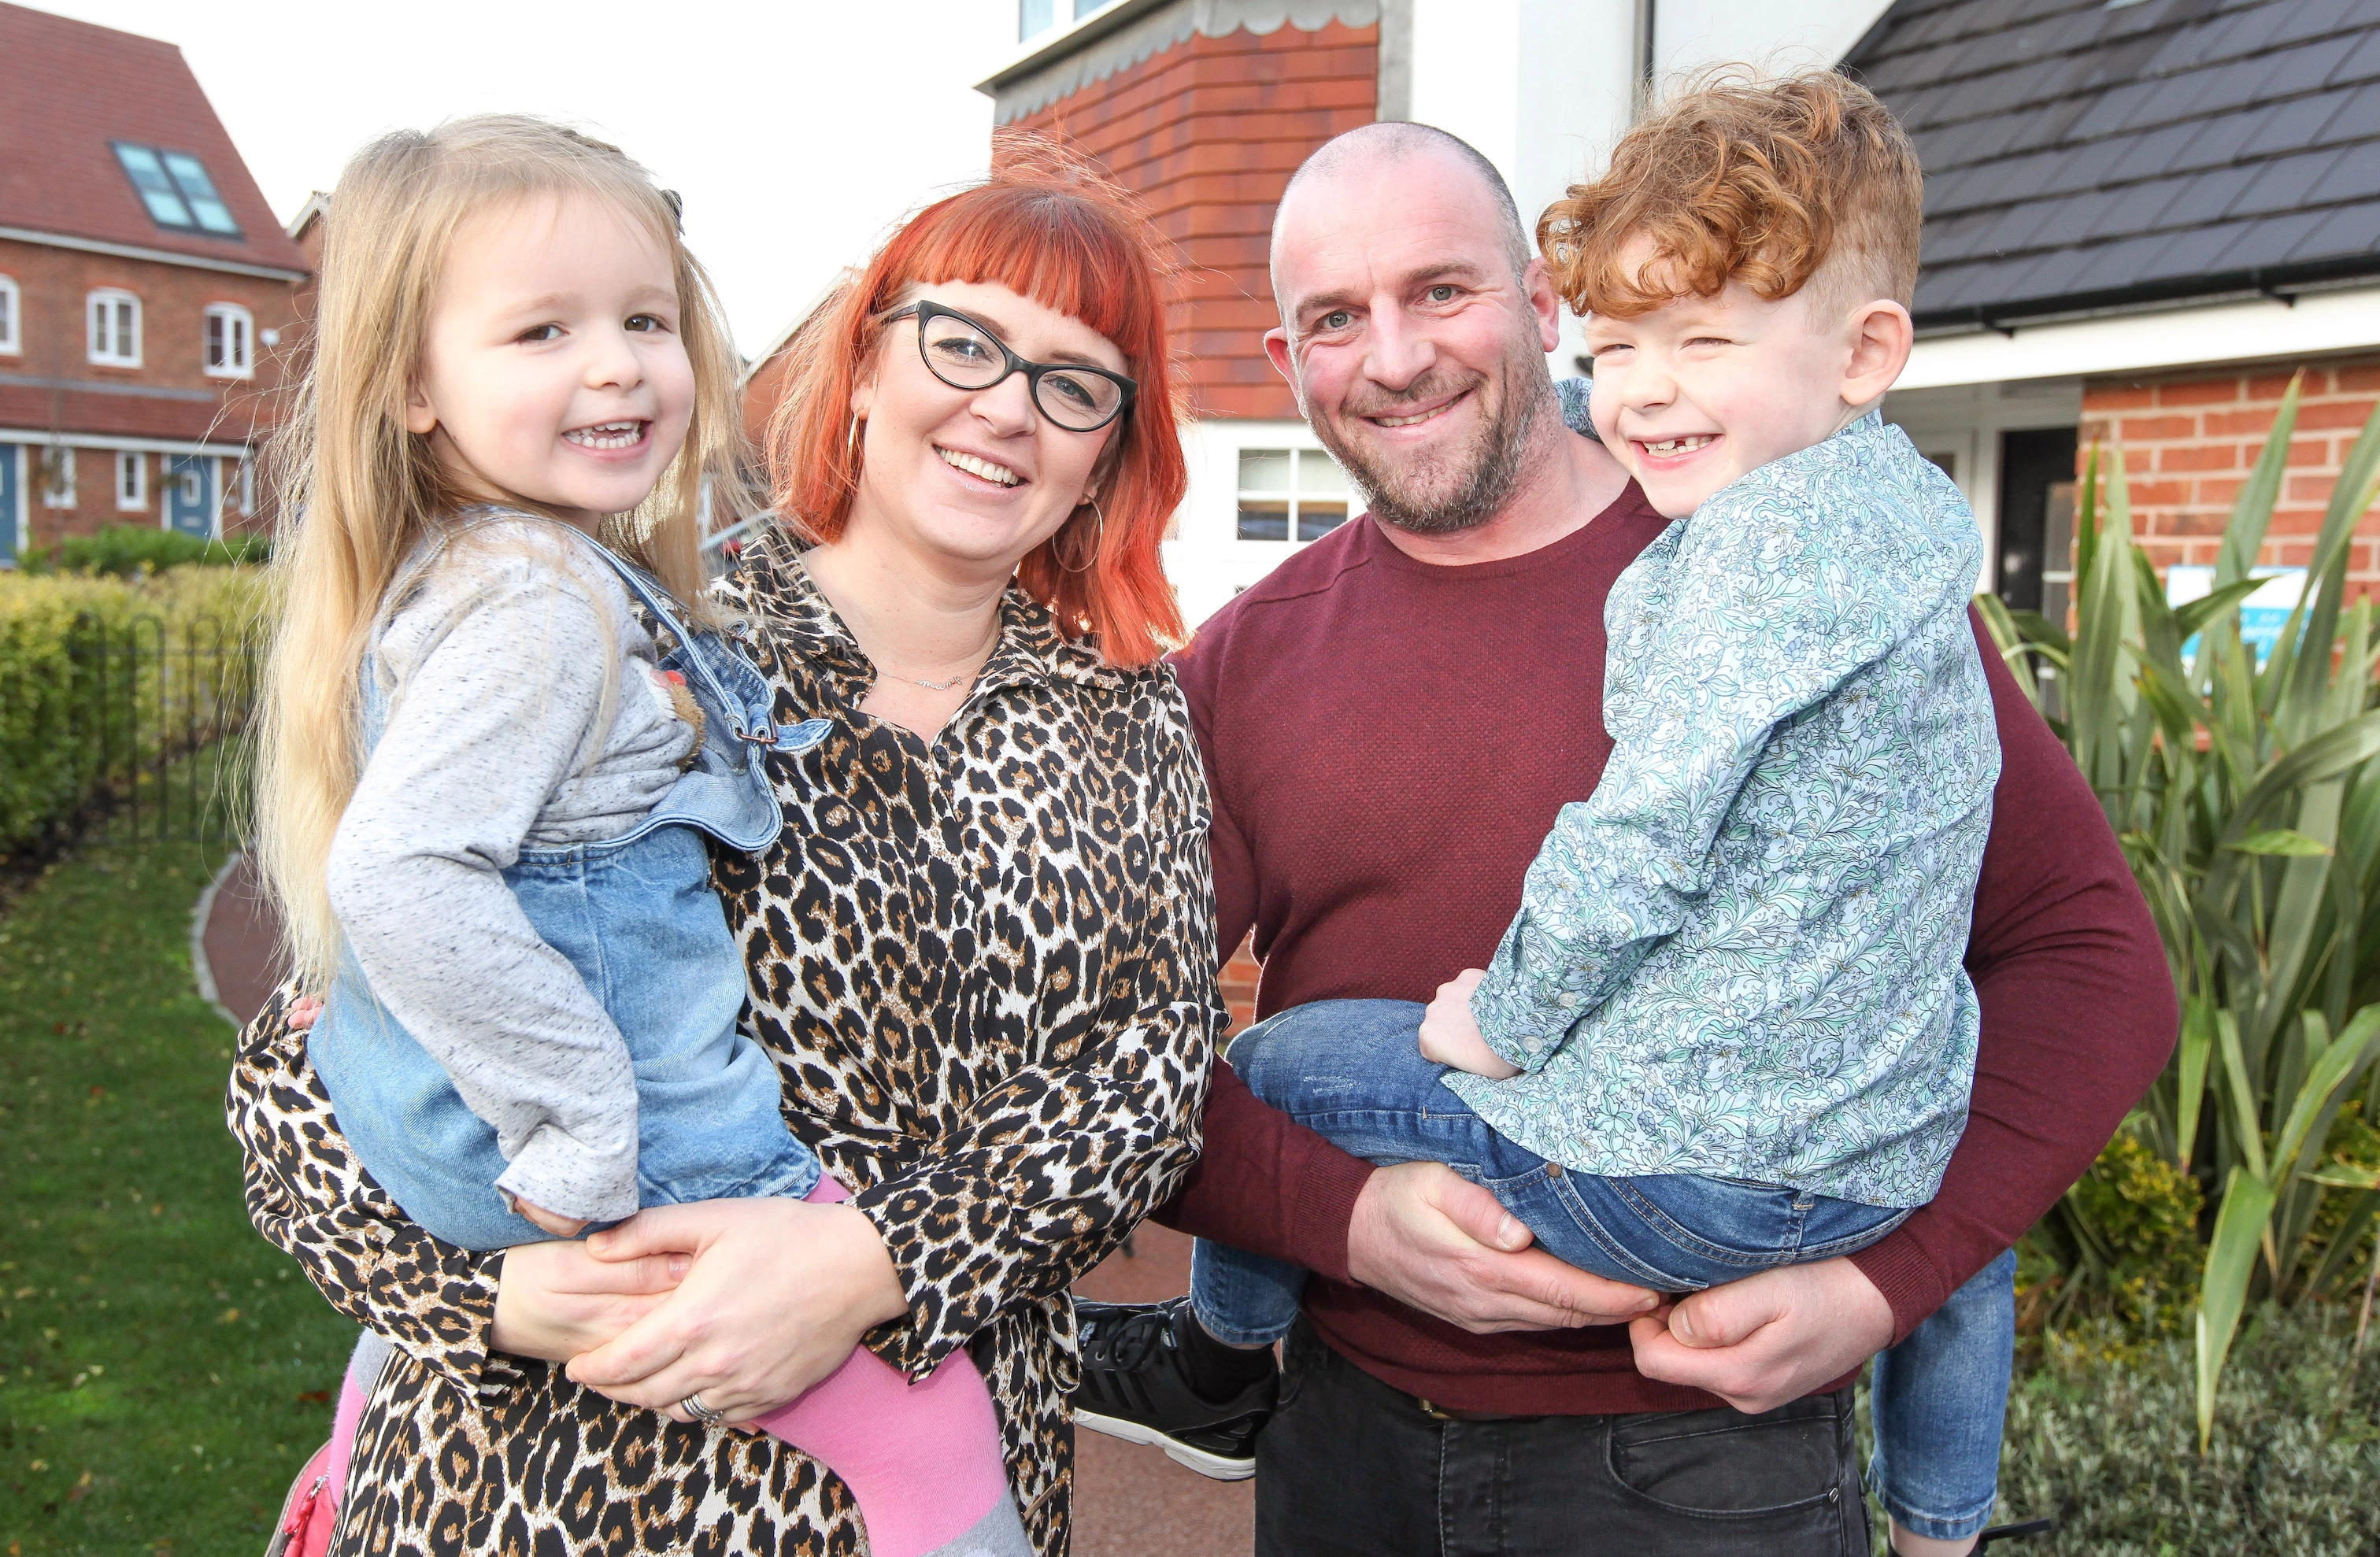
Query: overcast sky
798, 131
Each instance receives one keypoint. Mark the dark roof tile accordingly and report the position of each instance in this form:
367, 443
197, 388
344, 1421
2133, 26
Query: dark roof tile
2360, 119
2069, 221
2360, 62
2125, 159
2191, 252
2077, 151
2346, 231
2259, 245
2218, 142
2136, 209
2313, 19
2299, 122
2285, 184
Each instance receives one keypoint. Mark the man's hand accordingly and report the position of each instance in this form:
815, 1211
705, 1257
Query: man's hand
1450, 1036
1433, 1241
1769, 1339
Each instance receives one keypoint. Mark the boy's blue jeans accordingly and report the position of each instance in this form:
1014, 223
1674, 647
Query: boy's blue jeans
1352, 1070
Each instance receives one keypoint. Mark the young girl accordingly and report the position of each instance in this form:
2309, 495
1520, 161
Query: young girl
489, 786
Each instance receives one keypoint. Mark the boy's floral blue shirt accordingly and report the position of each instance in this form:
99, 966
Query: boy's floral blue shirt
1742, 955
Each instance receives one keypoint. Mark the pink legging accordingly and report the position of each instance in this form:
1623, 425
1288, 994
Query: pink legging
923, 1459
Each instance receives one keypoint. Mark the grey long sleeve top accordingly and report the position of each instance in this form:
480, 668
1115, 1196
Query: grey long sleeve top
524, 713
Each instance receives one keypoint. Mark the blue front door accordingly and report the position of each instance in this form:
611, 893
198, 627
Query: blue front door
10, 458
190, 494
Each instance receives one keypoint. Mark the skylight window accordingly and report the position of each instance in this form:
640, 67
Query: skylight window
175, 188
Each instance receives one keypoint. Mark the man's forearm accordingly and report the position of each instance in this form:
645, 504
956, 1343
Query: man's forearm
1267, 1184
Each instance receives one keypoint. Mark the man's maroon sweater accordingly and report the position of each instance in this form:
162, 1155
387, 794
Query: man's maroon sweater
1388, 742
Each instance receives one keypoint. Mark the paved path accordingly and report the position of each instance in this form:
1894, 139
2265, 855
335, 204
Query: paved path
1129, 1502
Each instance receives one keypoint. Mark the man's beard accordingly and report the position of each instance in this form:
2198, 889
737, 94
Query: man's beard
1444, 493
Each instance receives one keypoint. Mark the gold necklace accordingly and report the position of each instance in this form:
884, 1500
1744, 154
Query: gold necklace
981, 655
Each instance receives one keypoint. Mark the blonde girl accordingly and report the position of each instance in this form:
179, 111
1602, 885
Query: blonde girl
501, 742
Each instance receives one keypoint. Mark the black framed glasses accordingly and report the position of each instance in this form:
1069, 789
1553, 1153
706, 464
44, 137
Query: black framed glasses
965, 355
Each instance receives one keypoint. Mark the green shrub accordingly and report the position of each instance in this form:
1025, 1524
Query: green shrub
2245, 790
2107, 1443
137, 551
2132, 1224
53, 757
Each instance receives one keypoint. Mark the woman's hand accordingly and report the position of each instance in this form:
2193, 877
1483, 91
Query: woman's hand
555, 1301
1450, 1036
781, 1292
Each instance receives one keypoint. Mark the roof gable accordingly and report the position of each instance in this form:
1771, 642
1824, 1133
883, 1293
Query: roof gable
2082, 154
74, 90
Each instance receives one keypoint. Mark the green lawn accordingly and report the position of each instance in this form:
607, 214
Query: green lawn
163, 1370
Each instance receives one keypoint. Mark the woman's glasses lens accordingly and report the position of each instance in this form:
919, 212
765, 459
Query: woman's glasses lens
1082, 401
965, 357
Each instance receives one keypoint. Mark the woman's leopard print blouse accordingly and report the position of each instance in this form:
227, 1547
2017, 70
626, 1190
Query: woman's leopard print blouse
985, 969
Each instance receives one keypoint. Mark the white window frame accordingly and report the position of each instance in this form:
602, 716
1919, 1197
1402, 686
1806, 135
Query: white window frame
55, 461
132, 463
105, 340
1294, 495
240, 332
12, 316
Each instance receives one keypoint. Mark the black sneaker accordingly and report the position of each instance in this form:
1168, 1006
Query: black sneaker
1151, 1376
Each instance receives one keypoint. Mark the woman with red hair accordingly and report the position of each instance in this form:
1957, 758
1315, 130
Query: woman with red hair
981, 953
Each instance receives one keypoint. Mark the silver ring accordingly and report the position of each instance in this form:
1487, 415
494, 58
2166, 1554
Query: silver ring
693, 1407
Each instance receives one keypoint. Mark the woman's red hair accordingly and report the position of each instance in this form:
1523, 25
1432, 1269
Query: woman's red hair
1047, 227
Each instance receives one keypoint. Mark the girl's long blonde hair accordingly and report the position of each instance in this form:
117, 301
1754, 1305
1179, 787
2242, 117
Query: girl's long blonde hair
358, 493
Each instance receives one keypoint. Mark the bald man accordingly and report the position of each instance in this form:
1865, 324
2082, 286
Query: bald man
1390, 721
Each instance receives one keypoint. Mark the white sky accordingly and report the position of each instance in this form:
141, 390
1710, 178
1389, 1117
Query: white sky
798, 131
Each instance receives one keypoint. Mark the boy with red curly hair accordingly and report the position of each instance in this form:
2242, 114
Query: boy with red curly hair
1730, 1028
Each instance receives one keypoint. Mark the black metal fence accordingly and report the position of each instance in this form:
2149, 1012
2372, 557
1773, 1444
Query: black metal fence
130, 731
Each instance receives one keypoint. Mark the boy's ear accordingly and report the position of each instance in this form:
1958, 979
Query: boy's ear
1882, 336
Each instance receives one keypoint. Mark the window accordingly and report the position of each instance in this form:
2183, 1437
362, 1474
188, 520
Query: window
175, 188
131, 480
12, 303
58, 472
230, 333
115, 329
1037, 16
1290, 494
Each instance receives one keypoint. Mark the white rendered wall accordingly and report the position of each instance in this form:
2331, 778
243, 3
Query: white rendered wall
1771, 34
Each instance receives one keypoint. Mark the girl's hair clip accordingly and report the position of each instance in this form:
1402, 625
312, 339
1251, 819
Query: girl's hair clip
677, 203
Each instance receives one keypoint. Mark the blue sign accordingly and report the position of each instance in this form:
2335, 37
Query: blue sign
2262, 615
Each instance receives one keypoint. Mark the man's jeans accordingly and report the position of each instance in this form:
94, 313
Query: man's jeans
1352, 1070
1350, 1467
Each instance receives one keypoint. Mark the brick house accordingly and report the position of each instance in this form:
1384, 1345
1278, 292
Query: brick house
2143, 216
144, 284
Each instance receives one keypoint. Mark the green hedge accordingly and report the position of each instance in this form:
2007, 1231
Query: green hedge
52, 761
2109, 1444
137, 551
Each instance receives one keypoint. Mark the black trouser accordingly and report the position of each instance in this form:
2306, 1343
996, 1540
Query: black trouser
1351, 1466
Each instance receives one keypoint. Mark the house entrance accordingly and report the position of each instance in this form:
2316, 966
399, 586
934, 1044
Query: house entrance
190, 495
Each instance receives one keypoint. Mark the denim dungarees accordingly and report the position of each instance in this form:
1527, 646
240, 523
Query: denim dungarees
636, 916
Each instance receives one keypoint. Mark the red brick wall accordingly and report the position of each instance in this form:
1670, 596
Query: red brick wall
53, 286
2190, 438
1208, 134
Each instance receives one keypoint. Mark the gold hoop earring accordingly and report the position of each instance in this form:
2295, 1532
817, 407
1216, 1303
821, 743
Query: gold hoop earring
851, 440
1098, 542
